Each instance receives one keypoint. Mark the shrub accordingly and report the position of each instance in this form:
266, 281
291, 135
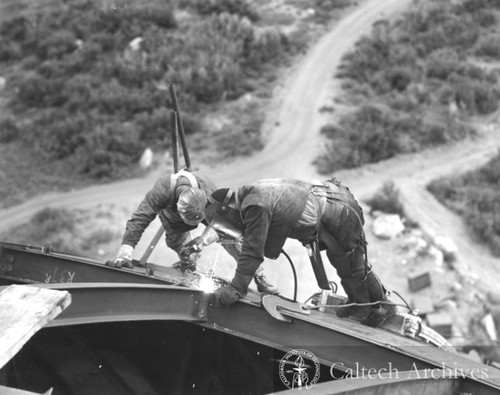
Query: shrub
16, 29
56, 45
399, 78
162, 17
266, 46
485, 18
38, 92
475, 196
64, 136
98, 236
387, 200
242, 8
154, 127
442, 63
50, 220
234, 143
489, 46
10, 51
8, 130
329, 5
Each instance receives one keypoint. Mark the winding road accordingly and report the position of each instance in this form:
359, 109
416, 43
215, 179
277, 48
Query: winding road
293, 142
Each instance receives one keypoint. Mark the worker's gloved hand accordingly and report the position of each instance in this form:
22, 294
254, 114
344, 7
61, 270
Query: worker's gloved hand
123, 258
120, 262
195, 245
227, 295
187, 260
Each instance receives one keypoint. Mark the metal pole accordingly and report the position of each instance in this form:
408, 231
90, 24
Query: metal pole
175, 144
175, 155
182, 135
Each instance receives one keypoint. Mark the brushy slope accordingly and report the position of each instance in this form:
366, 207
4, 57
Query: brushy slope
416, 82
475, 195
87, 82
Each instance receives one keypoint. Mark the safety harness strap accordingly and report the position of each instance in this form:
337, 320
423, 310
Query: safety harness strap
183, 173
331, 197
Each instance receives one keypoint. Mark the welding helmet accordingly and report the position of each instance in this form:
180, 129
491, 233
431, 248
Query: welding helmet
222, 215
191, 206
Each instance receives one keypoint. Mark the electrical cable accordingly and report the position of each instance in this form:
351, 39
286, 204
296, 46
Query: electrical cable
403, 299
294, 275
338, 306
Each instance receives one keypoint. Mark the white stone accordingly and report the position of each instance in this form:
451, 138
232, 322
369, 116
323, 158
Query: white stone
447, 246
146, 158
489, 325
135, 44
387, 226
436, 255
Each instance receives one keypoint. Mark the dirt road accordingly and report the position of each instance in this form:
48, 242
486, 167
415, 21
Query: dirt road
293, 141
292, 126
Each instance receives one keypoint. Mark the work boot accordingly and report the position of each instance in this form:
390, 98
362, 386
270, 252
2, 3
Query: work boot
263, 286
378, 316
357, 292
344, 312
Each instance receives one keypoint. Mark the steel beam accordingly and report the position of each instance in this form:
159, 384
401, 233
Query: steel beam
28, 264
111, 302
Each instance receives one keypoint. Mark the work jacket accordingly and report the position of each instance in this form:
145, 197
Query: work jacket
161, 201
269, 211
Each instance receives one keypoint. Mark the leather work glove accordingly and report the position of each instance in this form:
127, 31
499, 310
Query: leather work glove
187, 259
229, 294
226, 296
195, 245
123, 258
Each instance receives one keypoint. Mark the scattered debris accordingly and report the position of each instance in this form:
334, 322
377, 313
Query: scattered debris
388, 226
489, 326
419, 280
441, 322
447, 246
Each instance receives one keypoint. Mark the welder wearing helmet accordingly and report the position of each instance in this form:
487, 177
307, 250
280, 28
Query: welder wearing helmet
269, 211
179, 201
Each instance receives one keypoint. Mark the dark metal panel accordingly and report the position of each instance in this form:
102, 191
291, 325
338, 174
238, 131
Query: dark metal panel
356, 346
331, 340
412, 382
253, 323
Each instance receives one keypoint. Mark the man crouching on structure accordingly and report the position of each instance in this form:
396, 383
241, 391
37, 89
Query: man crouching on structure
179, 201
324, 215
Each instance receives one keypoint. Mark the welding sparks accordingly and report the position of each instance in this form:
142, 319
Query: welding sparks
206, 273
207, 284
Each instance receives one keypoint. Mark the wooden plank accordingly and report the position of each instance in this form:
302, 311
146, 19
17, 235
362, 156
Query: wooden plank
24, 310
15, 391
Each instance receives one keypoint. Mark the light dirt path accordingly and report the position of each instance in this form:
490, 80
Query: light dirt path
291, 146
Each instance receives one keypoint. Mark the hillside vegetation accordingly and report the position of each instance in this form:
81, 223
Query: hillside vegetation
475, 195
416, 83
87, 82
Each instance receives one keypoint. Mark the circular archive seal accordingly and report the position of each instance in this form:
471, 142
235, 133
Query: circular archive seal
299, 369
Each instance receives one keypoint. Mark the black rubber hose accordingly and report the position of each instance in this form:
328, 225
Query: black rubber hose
294, 275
